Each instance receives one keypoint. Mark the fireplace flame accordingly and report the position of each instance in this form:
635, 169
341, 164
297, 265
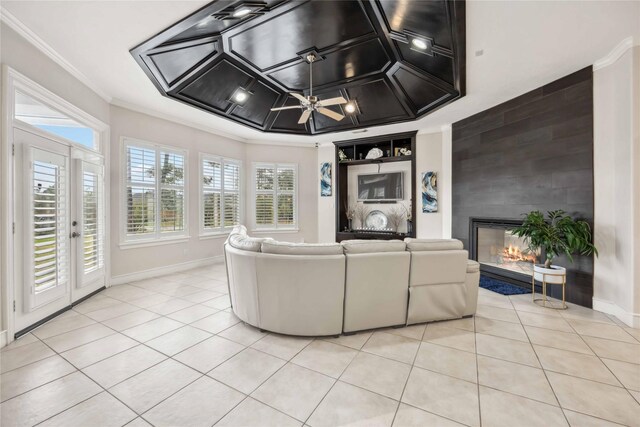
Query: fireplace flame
514, 253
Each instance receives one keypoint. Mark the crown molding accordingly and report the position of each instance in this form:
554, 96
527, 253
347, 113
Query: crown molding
615, 54
153, 113
16, 25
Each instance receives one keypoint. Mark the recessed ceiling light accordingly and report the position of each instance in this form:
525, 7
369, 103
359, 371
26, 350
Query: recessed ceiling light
241, 12
240, 96
420, 44
350, 107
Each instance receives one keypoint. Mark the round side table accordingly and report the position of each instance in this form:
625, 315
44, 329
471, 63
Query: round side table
548, 276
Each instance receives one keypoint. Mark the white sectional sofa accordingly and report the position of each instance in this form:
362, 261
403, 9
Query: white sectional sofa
327, 289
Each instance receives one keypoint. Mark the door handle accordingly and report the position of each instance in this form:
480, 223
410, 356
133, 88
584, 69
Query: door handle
75, 234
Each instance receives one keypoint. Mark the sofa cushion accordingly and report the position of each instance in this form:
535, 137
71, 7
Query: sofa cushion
472, 266
244, 242
286, 248
371, 246
433, 244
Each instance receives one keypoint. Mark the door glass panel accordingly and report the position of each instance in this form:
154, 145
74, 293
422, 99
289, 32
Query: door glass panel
49, 216
92, 258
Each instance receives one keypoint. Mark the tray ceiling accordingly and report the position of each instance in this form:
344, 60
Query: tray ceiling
397, 59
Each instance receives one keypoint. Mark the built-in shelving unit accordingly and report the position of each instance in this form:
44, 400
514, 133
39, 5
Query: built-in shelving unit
356, 152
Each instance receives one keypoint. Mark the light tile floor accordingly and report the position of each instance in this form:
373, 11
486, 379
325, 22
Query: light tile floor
169, 352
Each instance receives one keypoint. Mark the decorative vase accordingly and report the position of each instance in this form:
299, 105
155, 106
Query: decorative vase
554, 274
350, 225
409, 227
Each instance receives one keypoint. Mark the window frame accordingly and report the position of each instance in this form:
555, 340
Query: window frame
222, 230
158, 236
275, 192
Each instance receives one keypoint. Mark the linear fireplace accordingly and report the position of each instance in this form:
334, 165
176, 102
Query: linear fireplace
501, 254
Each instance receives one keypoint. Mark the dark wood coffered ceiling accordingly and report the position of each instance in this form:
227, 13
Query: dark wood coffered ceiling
365, 48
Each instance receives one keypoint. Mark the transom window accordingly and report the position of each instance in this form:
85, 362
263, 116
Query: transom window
220, 181
32, 111
155, 199
275, 190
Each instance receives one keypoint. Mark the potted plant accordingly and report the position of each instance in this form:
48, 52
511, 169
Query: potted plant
557, 234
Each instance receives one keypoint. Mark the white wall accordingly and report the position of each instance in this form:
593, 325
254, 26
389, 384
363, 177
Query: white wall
430, 151
19, 54
617, 186
327, 205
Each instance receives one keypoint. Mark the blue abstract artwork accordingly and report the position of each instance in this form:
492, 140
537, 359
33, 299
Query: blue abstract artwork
325, 179
429, 192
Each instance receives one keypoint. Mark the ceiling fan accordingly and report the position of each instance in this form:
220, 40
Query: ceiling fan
311, 103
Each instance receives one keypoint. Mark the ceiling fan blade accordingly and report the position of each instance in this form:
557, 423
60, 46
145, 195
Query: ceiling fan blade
330, 113
290, 107
332, 101
304, 117
300, 97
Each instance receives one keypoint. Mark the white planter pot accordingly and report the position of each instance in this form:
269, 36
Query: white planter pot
555, 274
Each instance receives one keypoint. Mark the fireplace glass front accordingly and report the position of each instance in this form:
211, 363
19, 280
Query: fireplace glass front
500, 248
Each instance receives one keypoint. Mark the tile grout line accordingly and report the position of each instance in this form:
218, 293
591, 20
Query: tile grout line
334, 383
475, 336
90, 397
290, 361
413, 362
607, 367
545, 374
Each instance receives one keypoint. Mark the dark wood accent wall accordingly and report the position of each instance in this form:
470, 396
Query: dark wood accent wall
532, 152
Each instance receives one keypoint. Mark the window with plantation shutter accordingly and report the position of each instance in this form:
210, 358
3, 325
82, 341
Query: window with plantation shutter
275, 187
220, 204
155, 199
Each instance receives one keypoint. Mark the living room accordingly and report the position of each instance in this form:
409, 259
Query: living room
246, 213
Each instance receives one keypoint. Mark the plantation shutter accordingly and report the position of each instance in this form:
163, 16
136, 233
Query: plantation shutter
265, 195
171, 192
211, 194
231, 200
275, 196
221, 199
155, 192
47, 227
91, 266
286, 195
141, 191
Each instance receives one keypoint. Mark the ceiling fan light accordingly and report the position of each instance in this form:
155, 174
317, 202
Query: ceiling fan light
244, 11
419, 44
350, 108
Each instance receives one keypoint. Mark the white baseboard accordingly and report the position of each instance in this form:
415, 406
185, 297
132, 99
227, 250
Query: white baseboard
3, 338
168, 269
630, 319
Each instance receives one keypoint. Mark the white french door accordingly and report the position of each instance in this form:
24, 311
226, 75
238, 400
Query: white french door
60, 223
